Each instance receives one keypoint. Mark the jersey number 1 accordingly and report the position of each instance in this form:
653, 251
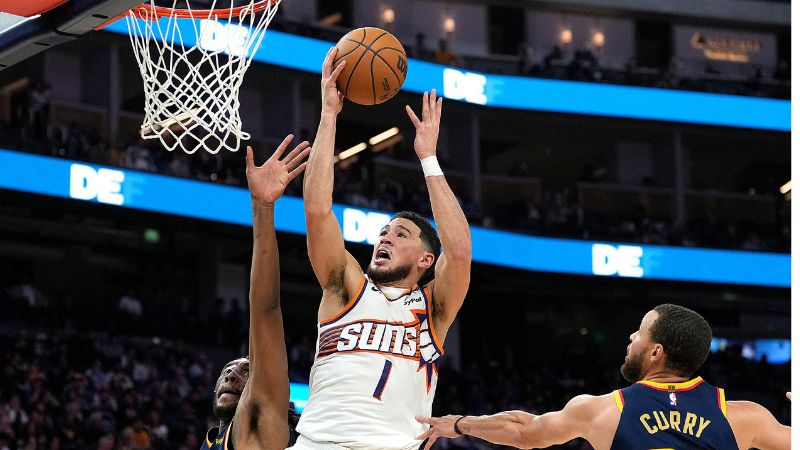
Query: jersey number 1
387, 369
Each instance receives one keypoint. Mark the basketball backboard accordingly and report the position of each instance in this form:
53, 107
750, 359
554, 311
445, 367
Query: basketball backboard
32, 26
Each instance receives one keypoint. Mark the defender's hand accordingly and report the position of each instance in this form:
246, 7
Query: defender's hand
440, 427
428, 128
332, 99
268, 181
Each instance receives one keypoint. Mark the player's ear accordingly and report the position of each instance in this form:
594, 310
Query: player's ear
657, 352
427, 260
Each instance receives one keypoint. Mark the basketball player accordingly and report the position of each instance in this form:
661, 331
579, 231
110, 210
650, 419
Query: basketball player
375, 367
664, 409
251, 394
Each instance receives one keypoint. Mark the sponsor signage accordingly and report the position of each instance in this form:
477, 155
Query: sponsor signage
526, 93
221, 203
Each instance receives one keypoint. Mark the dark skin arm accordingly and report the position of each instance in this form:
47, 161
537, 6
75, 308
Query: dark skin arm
261, 421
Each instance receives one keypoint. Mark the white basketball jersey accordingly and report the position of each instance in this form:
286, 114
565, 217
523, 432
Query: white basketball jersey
375, 370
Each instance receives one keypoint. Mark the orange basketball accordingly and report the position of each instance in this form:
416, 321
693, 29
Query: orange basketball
376, 66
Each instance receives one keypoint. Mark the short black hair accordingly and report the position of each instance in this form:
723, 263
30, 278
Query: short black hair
685, 336
429, 239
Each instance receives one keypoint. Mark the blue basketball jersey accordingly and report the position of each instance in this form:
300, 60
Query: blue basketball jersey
219, 438
222, 439
672, 416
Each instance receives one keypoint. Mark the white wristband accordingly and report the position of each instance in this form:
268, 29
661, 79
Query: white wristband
430, 167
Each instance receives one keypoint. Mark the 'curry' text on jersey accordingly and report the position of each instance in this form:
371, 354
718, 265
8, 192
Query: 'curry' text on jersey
663, 416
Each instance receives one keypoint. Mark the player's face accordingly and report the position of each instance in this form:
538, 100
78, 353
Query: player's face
229, 387
635, 365
398, 251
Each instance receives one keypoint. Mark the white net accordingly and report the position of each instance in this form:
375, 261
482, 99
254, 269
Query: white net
192, 64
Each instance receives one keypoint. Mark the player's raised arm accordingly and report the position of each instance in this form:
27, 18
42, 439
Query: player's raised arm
453, 267
261, 414
333, 266
525, 430
755, 427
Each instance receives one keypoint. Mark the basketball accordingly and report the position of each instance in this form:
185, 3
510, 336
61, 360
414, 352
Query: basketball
376, 65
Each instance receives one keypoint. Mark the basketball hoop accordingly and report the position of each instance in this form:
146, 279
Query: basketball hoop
192, 62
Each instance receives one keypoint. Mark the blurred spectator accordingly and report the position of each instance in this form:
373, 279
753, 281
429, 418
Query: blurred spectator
525, 55
130, 311
40, 110
753, 82
555, 54
91, 391
420, 49
783, 71
444, 55
583, 66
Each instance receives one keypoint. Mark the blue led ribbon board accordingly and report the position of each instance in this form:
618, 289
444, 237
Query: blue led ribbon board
568, 97
207, 201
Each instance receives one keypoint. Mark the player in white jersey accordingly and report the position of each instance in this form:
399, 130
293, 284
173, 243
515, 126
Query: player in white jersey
375, 368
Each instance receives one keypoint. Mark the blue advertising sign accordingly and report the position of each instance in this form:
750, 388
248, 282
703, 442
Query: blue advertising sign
227, 204
502, 91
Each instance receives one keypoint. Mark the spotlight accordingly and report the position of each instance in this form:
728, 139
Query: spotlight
565, 37
388, 15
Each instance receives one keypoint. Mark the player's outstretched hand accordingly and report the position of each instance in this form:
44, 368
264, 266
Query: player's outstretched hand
440, 427
428, 127
789, 396
332, 99
268, 181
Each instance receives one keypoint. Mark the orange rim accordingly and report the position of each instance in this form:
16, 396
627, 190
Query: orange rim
150, 12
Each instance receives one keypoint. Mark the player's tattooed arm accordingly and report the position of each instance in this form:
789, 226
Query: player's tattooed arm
335, 269
581, 417
452, 273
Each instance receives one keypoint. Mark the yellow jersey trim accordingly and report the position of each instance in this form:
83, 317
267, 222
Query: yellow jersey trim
722, 405
228, 433
685, 385
617, 399
208, 442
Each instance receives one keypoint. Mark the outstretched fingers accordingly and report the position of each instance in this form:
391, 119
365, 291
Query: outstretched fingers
282, 148
300, 147
421, 419
298, 170
297, 159
249, 158
339, 68
413, 117
430, 434
431, 440
327, 64
426, 110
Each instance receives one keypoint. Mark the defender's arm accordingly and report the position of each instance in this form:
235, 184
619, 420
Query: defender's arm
524, 430
755, 427
261, 413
